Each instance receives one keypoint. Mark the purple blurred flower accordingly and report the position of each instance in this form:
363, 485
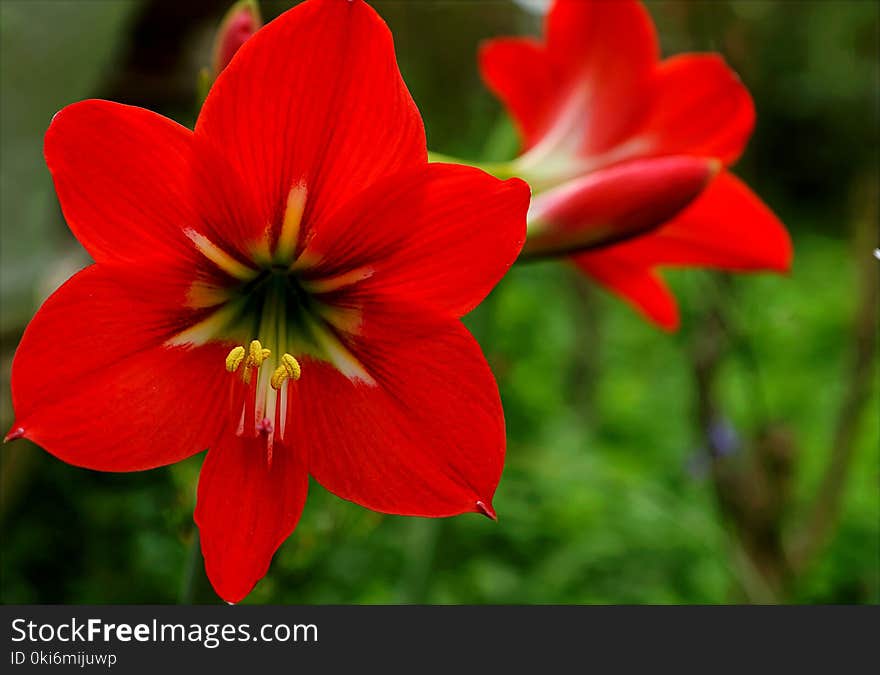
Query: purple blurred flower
723, 438
723, 441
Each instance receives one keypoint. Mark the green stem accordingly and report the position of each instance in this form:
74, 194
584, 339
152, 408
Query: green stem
497, 169
187, 583
424, 535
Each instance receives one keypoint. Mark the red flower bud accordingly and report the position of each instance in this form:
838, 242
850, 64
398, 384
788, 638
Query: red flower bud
241, 21
615, 204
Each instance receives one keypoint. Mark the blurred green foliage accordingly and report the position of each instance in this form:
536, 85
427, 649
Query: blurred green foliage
606, 496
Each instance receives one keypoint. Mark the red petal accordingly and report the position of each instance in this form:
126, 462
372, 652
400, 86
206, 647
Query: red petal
314, 97
701, 108
93, 384
441, 234
592, 76
727, 227
118, 172
641, 287
425, 438
614, 204
518, 72
246, 509
131, 181
610, 48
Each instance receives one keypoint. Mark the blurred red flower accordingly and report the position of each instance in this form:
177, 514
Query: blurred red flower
299, 228
626, 152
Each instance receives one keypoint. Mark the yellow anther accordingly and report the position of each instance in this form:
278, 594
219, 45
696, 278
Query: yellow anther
289, 368
292, 366
256, 355
234, 359
278, 377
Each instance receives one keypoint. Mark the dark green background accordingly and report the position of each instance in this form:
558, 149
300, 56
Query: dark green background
607, 496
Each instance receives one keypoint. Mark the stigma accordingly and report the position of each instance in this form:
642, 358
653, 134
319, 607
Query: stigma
259, 392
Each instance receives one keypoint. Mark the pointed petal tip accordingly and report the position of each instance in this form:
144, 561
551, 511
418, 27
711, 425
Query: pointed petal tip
15, 433
779, 258
668, 320
229, 595
487, 510
788, 258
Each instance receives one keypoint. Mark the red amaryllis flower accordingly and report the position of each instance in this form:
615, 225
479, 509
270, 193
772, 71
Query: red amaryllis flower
283, 286
621, 147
